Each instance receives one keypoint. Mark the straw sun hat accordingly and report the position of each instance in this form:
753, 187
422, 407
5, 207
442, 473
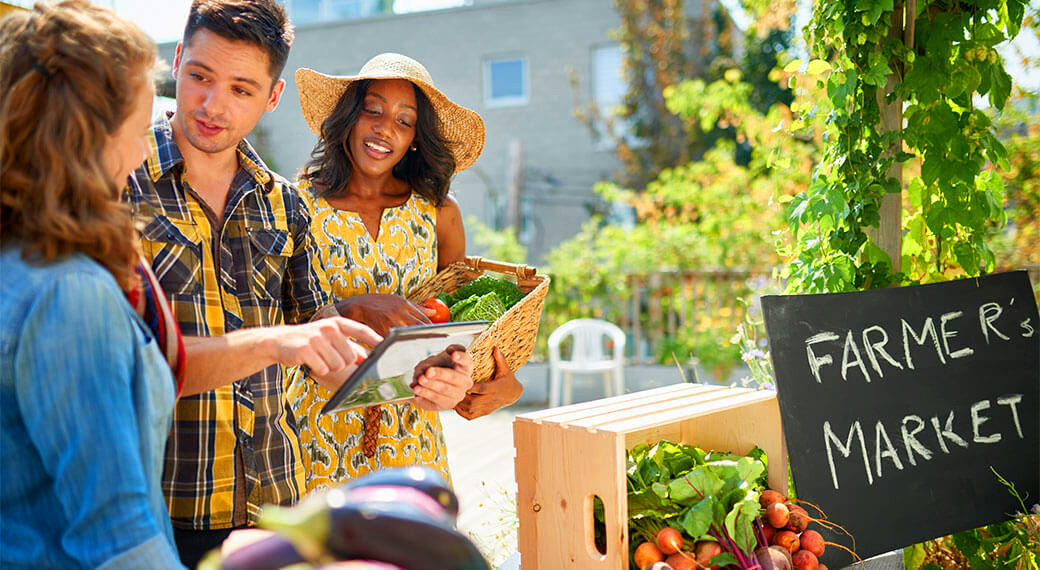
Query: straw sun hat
461, 127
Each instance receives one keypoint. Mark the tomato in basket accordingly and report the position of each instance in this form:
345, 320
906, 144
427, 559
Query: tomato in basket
437, 310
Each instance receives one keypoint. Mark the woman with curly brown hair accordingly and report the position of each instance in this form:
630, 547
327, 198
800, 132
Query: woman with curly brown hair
86, 389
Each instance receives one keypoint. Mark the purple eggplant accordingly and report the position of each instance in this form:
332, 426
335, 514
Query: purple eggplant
397, 525
269, 553
424, 479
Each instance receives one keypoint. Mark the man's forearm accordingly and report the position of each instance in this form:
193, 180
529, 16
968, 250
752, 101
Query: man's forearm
212, 362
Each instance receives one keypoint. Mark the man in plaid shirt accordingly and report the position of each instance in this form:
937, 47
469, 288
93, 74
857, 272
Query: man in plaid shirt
230, 243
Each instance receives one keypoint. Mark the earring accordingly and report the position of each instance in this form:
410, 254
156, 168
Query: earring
413, 149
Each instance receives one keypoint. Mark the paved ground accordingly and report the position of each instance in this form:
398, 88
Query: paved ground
480, 454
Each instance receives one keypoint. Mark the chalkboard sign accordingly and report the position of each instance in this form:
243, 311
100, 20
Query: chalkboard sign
901, 406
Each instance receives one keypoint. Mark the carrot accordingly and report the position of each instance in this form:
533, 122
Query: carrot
788, 540
769, 496
805, 560
682, 560
797, 521
813, 542
668, 540
778, 515
646, 554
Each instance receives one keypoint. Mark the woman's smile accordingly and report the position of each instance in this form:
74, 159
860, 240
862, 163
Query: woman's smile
385, 127
377, 148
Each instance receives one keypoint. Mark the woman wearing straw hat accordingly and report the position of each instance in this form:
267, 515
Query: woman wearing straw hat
378, 180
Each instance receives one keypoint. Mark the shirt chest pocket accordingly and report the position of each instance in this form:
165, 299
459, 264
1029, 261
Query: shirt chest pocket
175, 251
270, 256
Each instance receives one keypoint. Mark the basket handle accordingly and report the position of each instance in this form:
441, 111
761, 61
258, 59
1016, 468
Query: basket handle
521, 271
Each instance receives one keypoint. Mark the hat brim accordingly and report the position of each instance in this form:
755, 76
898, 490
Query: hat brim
462, 128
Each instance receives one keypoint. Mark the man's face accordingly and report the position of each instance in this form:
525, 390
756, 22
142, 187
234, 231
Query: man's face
223, 88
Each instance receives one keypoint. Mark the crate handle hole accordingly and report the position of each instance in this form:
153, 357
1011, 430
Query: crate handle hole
596, 537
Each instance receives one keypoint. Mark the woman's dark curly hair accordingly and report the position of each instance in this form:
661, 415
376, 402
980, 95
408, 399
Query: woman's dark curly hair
427, 171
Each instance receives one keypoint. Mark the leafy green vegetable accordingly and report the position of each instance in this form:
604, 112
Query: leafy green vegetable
697, 519
699, 483
508, 293
462, 306
723, 560
487, 307
485, 298
710, 495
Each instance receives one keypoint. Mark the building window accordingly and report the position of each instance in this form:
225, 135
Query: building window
305, 11
608, 93
405, 6
349, 9
505, 82
314, 11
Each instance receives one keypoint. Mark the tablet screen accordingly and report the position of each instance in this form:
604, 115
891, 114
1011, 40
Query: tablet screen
388, 372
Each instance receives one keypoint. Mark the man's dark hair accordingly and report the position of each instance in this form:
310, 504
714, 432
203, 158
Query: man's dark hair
263, 23
427, 170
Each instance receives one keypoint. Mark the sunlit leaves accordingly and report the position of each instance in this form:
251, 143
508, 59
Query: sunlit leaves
840, 87
878, 72
1000, 86
951, 202
817, 66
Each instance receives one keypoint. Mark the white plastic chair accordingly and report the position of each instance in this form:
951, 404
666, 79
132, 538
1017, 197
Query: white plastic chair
588, 355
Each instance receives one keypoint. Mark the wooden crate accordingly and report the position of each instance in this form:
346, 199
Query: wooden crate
565, 456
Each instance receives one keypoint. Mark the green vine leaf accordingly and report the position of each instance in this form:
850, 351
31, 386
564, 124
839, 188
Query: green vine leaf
953, 203
878, 73
1001, 87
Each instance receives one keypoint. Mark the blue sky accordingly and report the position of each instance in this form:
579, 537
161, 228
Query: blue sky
163, 20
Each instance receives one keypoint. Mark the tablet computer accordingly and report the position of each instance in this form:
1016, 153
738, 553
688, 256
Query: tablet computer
394, 364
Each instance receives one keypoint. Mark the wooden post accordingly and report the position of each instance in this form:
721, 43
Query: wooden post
889, 234
514, 185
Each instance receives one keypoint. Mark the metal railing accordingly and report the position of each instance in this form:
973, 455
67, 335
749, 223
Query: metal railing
664, 306
669, 305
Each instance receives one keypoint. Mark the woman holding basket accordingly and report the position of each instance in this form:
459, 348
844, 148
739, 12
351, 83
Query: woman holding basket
378, 184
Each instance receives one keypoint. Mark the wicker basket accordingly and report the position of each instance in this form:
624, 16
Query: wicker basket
514, 333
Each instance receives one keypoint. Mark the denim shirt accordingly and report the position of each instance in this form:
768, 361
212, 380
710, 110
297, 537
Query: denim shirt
85, 405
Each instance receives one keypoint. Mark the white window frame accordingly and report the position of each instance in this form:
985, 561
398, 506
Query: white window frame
325, 16
603, 142
623, 126
512, 101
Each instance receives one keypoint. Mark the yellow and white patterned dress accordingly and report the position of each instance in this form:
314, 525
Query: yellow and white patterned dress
403, 258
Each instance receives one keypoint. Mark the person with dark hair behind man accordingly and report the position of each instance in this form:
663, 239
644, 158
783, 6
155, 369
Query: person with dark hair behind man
230, 243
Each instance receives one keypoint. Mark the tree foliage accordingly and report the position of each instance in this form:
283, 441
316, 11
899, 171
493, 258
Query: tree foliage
664, 42
1018, 244
716, 211
951, 205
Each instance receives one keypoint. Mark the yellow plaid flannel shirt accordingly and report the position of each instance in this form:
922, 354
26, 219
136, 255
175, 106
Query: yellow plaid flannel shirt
237, 447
